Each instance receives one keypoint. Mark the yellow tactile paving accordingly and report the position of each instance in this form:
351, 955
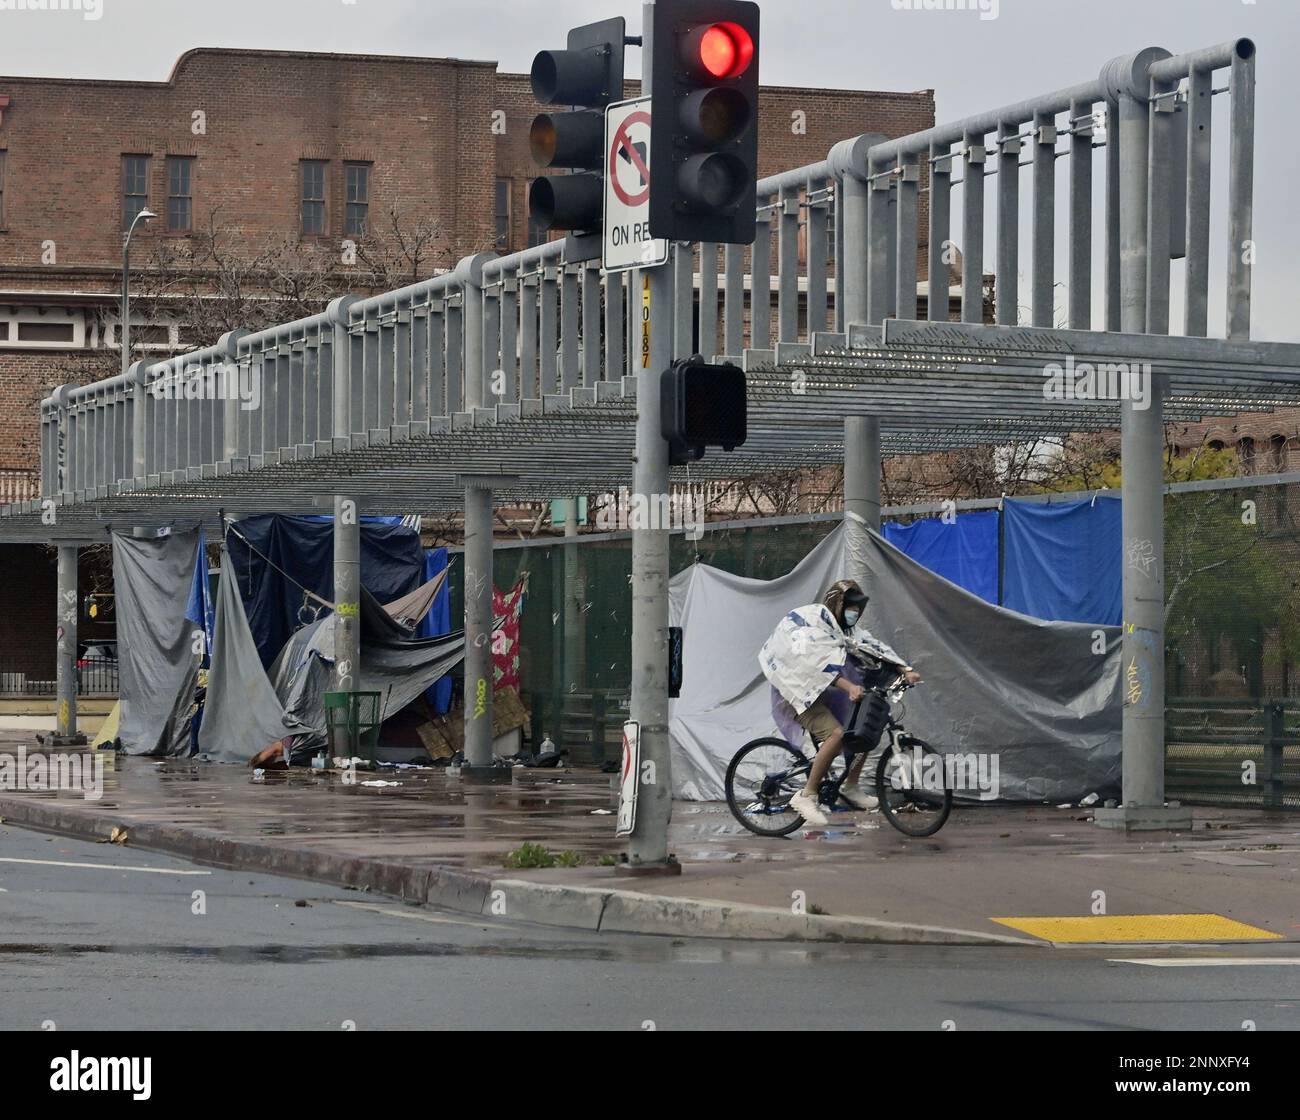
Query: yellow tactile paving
1140, 927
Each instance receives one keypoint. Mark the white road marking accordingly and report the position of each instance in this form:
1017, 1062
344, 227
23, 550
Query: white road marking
104, 866
1207, 962
406, 912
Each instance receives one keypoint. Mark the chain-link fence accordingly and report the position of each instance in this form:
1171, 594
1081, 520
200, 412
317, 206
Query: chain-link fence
1232, 639
1232, 561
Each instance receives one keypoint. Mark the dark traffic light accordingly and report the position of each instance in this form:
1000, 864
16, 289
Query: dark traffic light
589, 76
702, 406
704, 105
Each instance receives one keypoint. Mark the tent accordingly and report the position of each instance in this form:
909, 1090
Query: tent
1042, 697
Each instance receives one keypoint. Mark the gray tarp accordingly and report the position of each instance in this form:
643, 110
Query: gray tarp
242, 716
1029, 692
157, 662
394, 664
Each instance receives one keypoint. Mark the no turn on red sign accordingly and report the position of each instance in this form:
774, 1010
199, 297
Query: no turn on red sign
628, 243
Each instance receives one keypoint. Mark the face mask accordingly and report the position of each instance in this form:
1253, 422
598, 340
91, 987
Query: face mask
851, 617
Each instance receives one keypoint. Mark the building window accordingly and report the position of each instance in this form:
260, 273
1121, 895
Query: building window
180, 196
357, 176
135, 187
1278, 447
313, 196
503, 214
538, 234
3, 153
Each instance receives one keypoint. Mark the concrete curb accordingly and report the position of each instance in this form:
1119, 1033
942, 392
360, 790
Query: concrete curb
595, 909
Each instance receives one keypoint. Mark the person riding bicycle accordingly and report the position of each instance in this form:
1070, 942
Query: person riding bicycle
804, 659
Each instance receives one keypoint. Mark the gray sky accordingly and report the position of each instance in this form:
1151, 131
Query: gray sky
1032, 46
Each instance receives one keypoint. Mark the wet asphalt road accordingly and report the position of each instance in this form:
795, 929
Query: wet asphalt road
119, 948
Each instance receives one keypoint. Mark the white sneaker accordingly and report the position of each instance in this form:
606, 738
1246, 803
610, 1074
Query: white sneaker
859, 800
806, 806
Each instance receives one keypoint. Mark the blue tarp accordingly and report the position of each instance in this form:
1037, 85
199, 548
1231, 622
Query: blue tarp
1062, 561
199, 608
963, 551
392, 565
436, 623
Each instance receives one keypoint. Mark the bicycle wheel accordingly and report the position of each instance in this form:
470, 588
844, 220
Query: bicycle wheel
761, 779
911, 784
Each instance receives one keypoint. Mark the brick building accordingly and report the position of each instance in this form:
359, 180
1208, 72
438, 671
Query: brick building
246, 149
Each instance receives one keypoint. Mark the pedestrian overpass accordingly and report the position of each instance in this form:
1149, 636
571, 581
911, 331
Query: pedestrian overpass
525, 377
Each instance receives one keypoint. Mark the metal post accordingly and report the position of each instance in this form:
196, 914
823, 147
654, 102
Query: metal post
1042, 307
478, 629
852, 269
574, 592
879, 243
347, 595
683, 264
787, 268
1007, 283
1113, 255
341, 355
65, 734
709, 300
1200, 120
569, 320
615, 334
139, 418
1241, 190
760, 285
470, 275
1141, 451
818, 213
861, 492
592, 356
905, 252
1081, 216
647, 849
937, 307
734, 302
972, 230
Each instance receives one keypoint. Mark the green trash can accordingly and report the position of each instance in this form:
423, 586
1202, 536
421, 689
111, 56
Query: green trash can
352, 721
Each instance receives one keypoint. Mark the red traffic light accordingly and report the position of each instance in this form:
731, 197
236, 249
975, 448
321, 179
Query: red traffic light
725, 50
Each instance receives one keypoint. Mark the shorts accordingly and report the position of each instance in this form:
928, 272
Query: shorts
819, 722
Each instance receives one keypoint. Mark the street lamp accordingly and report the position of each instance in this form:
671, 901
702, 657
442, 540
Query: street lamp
125, 328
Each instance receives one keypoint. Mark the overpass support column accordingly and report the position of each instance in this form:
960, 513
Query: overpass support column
347, 595
478, 634
65, 733
1141, 453
861, 493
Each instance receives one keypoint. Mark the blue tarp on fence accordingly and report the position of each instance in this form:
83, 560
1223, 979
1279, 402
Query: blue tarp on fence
963, 551
436, 623
1062, 561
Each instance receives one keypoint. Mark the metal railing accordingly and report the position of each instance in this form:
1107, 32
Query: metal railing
502, 339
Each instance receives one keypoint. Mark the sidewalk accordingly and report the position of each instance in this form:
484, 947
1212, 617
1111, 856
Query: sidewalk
435, 839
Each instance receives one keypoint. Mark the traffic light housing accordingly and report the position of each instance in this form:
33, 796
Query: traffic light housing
588, 75
704, 105
702, 406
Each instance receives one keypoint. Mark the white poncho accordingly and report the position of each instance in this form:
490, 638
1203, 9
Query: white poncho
806, 653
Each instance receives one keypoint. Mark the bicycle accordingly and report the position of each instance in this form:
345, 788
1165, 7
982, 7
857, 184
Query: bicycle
765, 773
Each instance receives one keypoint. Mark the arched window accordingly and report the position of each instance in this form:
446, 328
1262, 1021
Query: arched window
1277, 454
